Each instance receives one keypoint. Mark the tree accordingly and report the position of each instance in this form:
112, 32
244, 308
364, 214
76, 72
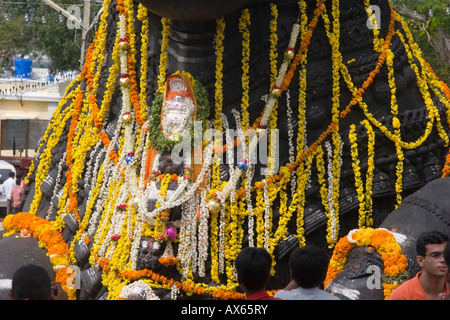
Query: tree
33, 28
58, 42
430, 24
16, 39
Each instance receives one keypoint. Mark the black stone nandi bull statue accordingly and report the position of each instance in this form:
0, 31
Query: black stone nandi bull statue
425, 210
335, 96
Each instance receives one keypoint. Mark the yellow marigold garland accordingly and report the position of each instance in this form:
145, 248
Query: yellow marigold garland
336, 139
53, 122
276, 185
303, 170
164, 54
46, 156
321, 173
215, 171
273, 55
244, 23
377, 43
142, 17
364, 196
218, 100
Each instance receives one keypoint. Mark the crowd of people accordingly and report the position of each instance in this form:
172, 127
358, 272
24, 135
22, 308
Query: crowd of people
13, 188
308, 268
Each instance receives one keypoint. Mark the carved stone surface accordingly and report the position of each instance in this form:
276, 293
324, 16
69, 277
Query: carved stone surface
191, 49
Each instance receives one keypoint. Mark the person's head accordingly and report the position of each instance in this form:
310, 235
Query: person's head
447, 255
253, 268
12, 174
430, 248
308, 266
18, 182
31, 282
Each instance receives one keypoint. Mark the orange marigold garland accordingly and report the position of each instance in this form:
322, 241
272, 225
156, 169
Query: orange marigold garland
355, 100
73, 203
383, 241
187, 286
394, 261
49, 238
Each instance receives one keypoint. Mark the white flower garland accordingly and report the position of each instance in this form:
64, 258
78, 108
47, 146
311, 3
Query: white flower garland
202, 235
92, 169
229, 144
118, 217
138, 287
221, 252
248, 198
102, 196
185, 246
174, 292
100, 207
226, 191
331, 182
352, 232
171, 203
334, 225
281, 75
291, 141
193, 239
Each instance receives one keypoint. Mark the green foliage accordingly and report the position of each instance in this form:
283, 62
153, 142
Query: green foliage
439, 19
157, 138
61, 44
15, 41
34, 37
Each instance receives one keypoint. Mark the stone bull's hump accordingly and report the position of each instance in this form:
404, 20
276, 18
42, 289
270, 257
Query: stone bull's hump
352, 131
425, 210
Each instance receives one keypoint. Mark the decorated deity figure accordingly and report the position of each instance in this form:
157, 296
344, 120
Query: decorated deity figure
170, 178
179, 108
362, 122
174, 113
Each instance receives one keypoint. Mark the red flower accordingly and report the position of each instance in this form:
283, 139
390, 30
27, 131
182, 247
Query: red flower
122, 207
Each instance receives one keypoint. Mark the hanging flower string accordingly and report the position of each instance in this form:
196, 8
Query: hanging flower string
116, 216
364, 195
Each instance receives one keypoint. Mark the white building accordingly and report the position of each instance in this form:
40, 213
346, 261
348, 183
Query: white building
26, 106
